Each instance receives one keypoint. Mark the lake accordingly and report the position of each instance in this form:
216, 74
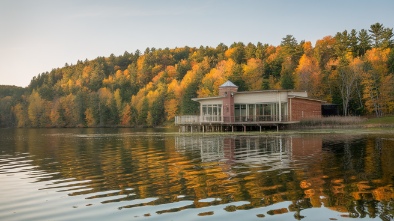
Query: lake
147, 174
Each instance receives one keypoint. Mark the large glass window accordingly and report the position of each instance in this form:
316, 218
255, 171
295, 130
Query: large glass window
267, 112
212, 112
251, 112
240, 112
284, 111
204, 109
260, 112
237, 112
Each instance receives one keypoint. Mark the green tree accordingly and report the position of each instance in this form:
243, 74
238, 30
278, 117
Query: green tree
143, 114
157, 110
187, 105
381, 36
250, 51
6, 115
93, 110
289, 44
286, 80
260, 52
364, 42
387, 36
377, 31
237, 52
353, 43
390, 62
342, 44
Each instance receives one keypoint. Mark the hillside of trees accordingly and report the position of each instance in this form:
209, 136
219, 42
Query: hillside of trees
353, 69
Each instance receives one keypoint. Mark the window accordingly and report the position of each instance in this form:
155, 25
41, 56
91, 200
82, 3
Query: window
240, 112
260, 112
251, 112
212, 112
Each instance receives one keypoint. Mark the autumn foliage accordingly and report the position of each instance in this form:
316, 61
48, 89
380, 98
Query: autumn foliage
352, 69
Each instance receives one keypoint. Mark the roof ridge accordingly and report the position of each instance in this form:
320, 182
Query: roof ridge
228, 84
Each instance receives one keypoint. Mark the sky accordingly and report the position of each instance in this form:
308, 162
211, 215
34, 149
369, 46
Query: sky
37, 36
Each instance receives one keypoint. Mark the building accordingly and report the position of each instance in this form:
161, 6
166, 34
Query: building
233, 110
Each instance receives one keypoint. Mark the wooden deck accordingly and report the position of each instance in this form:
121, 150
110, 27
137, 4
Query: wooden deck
216, 123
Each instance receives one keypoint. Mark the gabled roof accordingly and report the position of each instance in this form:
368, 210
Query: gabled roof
228, 84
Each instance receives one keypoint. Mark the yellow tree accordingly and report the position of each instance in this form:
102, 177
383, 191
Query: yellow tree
118, 101
89, 117
70, 110
125, 119
55, 115
171, 104
324, 50
37, 110
171, 108
86, 72
217, 76
174, 89
156, 105
307, 76
253, 74
22, 118
377, 82
152, 98
172, 73
140, 103
109, 81
189, 85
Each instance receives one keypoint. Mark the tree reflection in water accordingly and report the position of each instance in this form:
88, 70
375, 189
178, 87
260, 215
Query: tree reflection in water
158, 173
343, 173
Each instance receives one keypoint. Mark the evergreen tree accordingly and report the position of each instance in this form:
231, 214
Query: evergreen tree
364, 42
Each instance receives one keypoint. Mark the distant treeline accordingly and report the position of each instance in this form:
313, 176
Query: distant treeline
353, 69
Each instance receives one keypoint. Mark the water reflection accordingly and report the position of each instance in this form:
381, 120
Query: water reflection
148, 175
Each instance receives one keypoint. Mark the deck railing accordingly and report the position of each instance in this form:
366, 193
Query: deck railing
187, 119
197, 119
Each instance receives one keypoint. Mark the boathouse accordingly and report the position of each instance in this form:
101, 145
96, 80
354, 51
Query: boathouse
250, 110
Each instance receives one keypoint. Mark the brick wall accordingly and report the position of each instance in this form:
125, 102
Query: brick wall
228, 102
304, 109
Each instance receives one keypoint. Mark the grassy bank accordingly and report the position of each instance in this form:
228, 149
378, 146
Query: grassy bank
345, 122
379, 122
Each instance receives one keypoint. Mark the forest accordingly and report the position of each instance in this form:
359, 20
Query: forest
353, 69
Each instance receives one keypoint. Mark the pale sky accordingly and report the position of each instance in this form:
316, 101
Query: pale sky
39, 35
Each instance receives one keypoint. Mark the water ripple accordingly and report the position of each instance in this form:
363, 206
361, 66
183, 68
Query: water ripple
136, 176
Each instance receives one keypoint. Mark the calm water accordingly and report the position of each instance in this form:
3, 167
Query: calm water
125, 174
